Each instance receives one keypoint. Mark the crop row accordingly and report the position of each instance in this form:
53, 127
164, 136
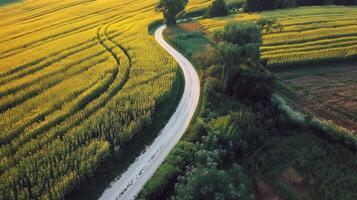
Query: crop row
314, 34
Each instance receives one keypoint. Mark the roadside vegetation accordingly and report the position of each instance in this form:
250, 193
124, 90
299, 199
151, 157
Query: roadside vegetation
244, 145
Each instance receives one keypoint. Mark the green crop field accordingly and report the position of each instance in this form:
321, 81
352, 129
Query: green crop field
318, 34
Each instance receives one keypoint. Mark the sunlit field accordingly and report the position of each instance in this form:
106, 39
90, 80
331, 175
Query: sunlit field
311, 37
319, 34
78, 79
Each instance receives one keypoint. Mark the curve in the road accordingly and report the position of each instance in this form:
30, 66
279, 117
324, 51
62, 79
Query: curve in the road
129, 184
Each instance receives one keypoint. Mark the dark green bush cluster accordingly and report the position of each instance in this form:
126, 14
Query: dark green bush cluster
259, 5
327, 170
218, 8
211, 183
243, 75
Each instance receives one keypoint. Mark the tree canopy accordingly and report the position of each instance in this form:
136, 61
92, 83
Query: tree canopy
218, 8
170, 9
238, 46
258, 5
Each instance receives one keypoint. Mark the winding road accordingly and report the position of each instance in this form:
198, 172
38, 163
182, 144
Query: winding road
129, 184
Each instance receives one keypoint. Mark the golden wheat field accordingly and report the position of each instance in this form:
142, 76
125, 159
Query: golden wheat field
315, 34
78, 78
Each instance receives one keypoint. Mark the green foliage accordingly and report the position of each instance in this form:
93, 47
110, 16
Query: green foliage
239, 33
256, 84
214, 71
235, 130
216, 9
170, 9
259, 5
321, 165
210, 183
178, 158
238, 47
237, 43
6, 2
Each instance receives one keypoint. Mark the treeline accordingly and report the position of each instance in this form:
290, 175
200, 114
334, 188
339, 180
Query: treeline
259, 5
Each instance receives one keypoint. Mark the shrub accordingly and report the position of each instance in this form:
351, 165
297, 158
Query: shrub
215, 71
210, 183
255, 84
218, 8
259, 5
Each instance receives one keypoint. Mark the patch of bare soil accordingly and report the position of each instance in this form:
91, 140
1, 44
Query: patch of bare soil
330, 96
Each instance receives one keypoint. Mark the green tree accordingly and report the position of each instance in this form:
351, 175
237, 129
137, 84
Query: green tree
218, 8
238, 46
237, 43
255, 83
170, 9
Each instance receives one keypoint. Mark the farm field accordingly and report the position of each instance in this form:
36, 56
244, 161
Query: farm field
329, 92
314, 35
78, 79
300, 55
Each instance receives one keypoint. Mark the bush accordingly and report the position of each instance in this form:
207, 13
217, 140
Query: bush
259, 5
255, 84
243, 75
218, 8
215, 71
207, 58
210, 183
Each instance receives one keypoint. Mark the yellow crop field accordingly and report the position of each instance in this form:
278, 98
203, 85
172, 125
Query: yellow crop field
317, 34
78, 78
